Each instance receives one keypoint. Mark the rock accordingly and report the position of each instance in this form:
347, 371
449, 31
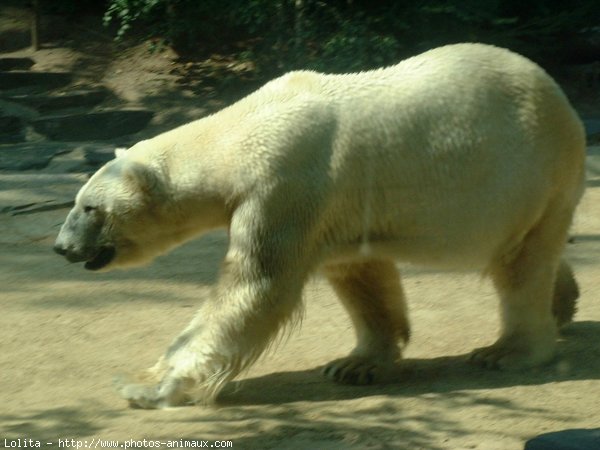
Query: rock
21, 193
62, 100
85, 158
39, 207
98, 156
29, 156
92, 126
45, 80
16, 63
13, 121
11, 129
14, 109
578, 439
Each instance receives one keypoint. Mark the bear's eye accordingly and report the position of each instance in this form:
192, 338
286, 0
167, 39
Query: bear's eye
88, 209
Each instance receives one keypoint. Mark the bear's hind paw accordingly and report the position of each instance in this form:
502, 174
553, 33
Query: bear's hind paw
515, 353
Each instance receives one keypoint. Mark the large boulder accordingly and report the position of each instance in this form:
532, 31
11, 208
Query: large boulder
31, 155
92, 126
9, 63
41, 80
577, 439
45, 103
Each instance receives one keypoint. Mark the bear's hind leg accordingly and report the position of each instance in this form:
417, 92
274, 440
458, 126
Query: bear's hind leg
528, 283
373, 296
566, 293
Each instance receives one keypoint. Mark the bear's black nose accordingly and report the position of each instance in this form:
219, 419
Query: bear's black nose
59, 249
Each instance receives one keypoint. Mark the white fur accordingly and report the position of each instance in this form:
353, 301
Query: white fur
467, 156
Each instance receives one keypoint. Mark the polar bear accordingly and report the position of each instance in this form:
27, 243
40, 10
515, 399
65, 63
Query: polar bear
467, 156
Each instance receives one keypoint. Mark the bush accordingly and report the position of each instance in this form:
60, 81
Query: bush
343, 35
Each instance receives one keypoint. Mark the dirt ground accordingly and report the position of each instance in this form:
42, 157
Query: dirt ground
66, 332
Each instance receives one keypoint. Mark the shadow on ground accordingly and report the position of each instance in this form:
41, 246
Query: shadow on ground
50, 424
578, 359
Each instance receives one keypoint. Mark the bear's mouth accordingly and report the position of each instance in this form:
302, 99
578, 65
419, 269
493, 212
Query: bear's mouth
104, 256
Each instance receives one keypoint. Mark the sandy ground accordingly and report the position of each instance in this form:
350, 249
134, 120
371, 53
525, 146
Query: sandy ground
66, 332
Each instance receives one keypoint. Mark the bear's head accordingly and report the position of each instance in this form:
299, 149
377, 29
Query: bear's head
117, 217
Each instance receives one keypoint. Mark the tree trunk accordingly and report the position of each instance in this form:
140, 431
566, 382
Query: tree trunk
299, 31
35, 25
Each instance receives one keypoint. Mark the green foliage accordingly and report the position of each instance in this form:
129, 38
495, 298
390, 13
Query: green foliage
142, 13
344, 35
355, 45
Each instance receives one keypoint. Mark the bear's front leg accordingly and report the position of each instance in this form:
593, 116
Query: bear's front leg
259, 291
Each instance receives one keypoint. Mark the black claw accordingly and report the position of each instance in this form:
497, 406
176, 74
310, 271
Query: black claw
331, 371
337, 372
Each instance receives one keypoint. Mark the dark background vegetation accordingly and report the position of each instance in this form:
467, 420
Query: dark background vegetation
347, 35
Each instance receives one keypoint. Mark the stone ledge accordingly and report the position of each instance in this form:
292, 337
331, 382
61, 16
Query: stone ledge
93, 126
61, 100
16, 63
20, 79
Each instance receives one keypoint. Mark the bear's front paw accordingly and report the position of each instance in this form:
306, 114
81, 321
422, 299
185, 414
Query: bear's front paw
357, 370
144, 396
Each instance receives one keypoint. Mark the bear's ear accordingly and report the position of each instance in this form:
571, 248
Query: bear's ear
120, 151
144, 178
